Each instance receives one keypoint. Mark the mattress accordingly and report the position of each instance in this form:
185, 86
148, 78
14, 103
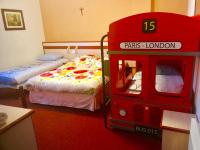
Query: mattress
20, 74
168, 79
82, 75
168, 83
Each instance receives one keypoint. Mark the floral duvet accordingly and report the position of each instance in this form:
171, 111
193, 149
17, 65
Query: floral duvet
82, 75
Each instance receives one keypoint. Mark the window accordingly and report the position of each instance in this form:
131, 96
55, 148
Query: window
169, 77
129, 77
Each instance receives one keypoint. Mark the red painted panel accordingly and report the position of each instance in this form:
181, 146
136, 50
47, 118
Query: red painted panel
146, 108
169, 27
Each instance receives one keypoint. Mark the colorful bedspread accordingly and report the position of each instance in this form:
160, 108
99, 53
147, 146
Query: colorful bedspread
82, 75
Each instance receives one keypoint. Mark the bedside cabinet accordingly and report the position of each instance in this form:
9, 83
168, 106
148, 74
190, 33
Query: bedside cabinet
18, 132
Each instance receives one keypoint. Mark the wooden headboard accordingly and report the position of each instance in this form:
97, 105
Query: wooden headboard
75, 47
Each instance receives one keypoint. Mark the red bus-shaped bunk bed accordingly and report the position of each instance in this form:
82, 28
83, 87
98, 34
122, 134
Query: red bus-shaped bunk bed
151, 58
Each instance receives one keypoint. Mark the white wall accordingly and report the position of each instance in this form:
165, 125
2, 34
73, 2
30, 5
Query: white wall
194, 138
197, 88
197, 74
191, 7
21, 46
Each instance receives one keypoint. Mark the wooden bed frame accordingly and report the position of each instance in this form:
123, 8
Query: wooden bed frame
75, 47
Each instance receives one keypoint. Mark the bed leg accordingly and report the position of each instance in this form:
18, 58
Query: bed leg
23, 97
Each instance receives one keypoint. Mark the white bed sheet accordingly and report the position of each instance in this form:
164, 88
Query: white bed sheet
90, 102
30, 70
37, 70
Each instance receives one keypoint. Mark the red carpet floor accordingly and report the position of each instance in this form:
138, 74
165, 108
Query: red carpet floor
59, 128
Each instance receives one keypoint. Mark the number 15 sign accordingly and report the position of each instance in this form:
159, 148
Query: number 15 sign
149, 26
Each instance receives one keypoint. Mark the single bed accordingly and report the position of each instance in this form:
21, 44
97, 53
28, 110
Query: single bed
14, 78
76, 84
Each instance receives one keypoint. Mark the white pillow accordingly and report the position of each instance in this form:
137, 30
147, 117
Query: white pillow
71, 56
51, 57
